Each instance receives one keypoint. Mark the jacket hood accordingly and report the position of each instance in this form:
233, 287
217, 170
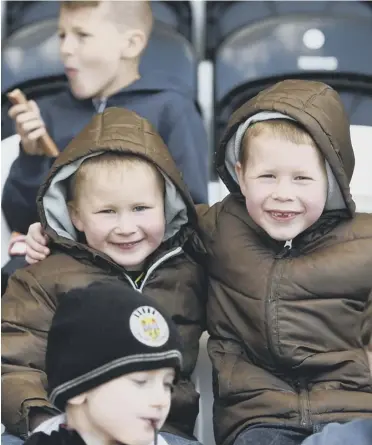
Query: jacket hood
121, 131
318, 108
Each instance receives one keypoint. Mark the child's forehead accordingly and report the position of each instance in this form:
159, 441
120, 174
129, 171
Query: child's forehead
85, 13
269, 149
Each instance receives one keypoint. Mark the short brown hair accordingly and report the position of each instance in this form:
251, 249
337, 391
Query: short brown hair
282, 128
114, 161
134, 14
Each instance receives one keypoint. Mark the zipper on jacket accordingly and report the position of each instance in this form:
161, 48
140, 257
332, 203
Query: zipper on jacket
303, 398
171, 254
269, 299
286, 251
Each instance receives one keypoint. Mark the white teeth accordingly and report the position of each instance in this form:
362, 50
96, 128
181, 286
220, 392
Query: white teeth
279, 214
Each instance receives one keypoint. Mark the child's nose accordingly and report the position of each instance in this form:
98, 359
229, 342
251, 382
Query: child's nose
283, 191
125, 226
160, 397
67, 45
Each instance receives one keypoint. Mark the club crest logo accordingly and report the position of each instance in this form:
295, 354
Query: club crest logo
149, 327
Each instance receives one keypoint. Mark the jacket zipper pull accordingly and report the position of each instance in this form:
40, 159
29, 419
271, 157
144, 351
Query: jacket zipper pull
285, 251
288, 244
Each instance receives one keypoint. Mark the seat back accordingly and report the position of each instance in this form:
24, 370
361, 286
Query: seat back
361, 182
226, 17
294, 46
9, 152
203, 381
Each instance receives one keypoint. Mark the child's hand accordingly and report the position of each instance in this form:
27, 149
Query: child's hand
29, 126
36, 242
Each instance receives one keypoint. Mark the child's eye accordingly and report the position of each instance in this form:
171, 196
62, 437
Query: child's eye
303, 178
267, 176
140, 208
106, 211
83, 35
140, 382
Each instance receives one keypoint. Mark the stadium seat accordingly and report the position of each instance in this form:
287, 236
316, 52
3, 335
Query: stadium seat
203, 381
226, 17
9, 152
23, 13
361, 182
296, 46
176, 14
30, 61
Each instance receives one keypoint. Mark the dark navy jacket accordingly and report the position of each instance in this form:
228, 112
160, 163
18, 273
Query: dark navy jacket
168, 105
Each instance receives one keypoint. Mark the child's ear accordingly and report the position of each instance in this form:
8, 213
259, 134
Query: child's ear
74, 215
240, 174
78, 400
134, 42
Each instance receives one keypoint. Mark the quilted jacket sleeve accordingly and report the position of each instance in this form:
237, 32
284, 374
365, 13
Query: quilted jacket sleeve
27, 312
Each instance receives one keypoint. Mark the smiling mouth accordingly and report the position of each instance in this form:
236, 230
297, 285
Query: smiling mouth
282, 216
127, 246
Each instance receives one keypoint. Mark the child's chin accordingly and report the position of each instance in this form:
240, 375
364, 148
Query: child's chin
283, 235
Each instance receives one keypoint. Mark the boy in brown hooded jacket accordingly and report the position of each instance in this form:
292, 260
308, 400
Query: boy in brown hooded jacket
290, 269
114, 207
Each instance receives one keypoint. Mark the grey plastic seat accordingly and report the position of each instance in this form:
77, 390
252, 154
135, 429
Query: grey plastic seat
226, 17
309, 47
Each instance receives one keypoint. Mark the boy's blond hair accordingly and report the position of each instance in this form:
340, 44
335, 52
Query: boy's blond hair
125, 14
91, 168
281, 128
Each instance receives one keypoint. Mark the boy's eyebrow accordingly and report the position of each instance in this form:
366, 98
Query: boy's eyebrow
75, 28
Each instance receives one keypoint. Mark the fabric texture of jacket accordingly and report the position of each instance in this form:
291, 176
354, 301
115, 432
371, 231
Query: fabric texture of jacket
173, 276
285, 324
163, 101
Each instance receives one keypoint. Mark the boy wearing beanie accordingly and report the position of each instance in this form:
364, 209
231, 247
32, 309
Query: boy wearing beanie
290, 264
111, 359
114, 207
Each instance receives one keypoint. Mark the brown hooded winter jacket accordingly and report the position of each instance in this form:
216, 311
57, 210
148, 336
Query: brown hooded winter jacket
173, 277
285, 325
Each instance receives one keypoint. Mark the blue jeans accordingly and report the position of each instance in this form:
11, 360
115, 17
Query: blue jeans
358, 432
9, 439
173, 439
271, 435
